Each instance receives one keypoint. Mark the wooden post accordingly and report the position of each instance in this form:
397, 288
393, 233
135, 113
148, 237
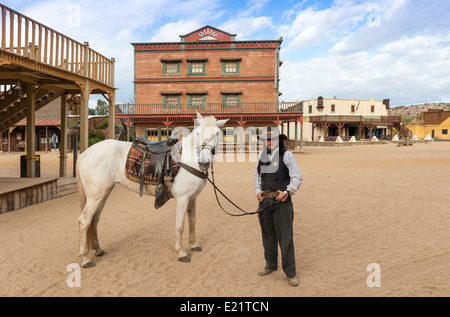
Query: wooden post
112, 105
84, 119
63, 140
31, 132
46, 139
339, 126
84, 103
296, 134
288, 131
75, 154
9, 139
325, 130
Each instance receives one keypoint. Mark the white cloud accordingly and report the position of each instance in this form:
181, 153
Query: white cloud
312, 27
111, 26
254, 6
403, 56
405, 59
246, 27
171, 32
407, 71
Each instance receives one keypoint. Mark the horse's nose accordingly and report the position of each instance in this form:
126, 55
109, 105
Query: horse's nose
203, 166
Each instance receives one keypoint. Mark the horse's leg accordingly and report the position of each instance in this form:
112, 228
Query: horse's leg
94, 235
84, 223
191, 218
182, 205
93, 228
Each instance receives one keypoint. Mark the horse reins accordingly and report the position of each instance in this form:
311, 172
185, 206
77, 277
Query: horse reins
204, 175
245, 213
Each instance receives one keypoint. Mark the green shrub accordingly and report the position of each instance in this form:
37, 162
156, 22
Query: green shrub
95, 137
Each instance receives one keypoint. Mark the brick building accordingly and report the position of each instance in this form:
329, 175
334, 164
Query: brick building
210, 72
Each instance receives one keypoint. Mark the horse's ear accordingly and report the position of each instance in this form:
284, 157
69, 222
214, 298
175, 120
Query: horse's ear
221, 123
199, 116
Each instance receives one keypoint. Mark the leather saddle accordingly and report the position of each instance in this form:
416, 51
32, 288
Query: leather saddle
159, 147
151, 163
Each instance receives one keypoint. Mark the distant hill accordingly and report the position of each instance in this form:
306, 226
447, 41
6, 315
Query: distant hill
415, 111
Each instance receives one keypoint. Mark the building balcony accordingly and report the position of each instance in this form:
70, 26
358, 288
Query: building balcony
366, 120
209, 108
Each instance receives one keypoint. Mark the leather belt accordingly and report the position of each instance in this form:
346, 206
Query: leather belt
270, 194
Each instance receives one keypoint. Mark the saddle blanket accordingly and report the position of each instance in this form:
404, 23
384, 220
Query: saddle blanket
133, 166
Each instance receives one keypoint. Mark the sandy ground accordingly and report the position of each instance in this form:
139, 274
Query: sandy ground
358, 205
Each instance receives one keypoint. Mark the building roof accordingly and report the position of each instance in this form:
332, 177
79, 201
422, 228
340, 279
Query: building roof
41, 122
208, 30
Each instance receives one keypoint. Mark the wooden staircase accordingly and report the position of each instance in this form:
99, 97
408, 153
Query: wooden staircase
403, 130
13, 105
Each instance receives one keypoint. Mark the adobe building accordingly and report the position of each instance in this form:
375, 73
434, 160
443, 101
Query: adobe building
208, 71
436, 125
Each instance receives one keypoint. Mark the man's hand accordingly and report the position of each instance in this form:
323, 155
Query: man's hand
282, 196
259, 196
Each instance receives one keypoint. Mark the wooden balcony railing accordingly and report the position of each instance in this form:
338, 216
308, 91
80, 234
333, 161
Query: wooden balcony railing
355, 119
28, 38
208, 108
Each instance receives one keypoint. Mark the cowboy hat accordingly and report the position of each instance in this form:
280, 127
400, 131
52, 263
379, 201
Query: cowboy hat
270, 132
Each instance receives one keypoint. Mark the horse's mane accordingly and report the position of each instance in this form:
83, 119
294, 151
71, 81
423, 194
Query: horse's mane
209, 122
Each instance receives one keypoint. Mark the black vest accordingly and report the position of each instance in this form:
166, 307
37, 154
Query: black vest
274, 173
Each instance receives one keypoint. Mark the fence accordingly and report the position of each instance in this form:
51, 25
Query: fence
30, 39
349, 118
216, 108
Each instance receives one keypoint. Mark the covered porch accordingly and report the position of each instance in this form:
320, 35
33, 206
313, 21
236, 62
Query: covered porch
360, 127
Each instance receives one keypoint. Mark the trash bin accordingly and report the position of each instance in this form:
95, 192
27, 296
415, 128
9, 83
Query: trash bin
23, 166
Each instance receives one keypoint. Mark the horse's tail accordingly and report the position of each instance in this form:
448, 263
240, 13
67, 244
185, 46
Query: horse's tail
81, 189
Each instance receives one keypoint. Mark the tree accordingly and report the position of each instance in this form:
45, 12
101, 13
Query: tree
102, 108
73, 104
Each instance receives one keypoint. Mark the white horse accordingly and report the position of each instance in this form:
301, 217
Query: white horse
103, 164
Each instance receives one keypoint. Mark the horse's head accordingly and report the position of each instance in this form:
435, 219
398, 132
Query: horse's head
207, 136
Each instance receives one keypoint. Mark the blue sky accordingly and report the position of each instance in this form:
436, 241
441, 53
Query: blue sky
396, 49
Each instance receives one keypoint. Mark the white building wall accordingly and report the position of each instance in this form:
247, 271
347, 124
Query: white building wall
366, 108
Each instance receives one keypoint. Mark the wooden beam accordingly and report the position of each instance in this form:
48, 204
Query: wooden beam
63, 140
112, 105
31, 132
84, 120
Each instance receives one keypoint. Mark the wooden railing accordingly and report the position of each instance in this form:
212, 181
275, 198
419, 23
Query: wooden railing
349, 118
28, 38
213, 108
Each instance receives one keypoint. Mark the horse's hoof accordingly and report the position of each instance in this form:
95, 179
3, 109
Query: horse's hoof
197, 249
185, 259
88, 265
100, 252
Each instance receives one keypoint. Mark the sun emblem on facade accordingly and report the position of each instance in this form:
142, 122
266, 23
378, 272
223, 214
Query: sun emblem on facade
207, 35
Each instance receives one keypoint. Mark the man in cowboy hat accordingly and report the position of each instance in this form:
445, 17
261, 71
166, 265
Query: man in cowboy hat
277, 178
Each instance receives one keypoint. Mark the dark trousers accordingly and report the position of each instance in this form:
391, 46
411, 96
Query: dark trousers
276, 229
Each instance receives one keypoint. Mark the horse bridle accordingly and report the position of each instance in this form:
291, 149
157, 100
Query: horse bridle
207, 147
197, 172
